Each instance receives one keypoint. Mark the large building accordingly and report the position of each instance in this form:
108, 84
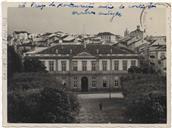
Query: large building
86, 67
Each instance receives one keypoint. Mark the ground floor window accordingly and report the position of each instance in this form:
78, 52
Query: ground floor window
75, 82
116, 83
93, 82
104, 83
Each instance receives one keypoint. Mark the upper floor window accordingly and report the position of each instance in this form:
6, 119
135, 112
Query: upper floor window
74, 66
63, 63
104, 65
84, 65
133, 62
116, 65
162, 55
51, 66
124, 64
93, 65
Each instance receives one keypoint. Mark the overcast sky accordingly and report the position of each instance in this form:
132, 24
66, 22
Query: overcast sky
35, 20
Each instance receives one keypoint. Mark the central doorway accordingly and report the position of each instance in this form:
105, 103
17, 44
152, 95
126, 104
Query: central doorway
84, 84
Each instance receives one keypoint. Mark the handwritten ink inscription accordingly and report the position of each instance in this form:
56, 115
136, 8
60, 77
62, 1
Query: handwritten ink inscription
89, 8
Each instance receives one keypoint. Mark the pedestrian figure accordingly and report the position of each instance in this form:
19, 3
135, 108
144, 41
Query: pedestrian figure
100, 106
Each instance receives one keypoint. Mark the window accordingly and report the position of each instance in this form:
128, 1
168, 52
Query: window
133, 62
51, 66
93, 65
116, 65
124, 64
75, 82
104, 83
152, 56
162, 56
93, 81
116, 83
74, 66
84, 65
104, 64
63, 65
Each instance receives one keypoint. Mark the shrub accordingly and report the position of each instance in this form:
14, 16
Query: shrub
134, 69
48, 105
40, 98
33, 65
25, 81
145, 97
147, 110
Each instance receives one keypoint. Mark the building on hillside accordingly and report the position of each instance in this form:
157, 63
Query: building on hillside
138, 33
21, 35
135, 44
157, 54
89, 66
109, 37
130, 38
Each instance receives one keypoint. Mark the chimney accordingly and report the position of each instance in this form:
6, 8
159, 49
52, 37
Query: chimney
57, 51
111, 51
85, 44
138, 27
97, 50
70, 51
60, 41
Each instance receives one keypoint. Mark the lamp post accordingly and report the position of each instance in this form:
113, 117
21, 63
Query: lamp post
109, 91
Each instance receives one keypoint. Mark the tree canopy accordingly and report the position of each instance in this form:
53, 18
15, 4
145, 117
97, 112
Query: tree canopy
33, 65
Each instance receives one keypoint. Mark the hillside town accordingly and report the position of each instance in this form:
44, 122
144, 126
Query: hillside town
151, 48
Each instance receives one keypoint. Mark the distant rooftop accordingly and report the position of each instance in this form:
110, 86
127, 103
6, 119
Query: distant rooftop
89, 48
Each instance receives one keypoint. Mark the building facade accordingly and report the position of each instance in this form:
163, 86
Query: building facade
87, 67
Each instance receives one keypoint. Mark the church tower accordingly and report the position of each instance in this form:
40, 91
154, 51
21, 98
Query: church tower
126, 33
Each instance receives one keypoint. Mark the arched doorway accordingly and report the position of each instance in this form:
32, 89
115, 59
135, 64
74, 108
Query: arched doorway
84, 84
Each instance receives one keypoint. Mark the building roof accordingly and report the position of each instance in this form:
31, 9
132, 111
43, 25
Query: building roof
104, 33
18, 32
159, 41
93, 49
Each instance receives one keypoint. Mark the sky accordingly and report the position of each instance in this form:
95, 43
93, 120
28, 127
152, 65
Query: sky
35, 20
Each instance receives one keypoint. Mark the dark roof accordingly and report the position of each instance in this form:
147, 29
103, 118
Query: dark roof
90, 48
104, 33
18, 32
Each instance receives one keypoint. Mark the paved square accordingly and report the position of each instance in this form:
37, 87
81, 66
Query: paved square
113, 109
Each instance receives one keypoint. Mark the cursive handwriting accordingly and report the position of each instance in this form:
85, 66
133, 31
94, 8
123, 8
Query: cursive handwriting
142, 6
85, 12
84, 5
89, 8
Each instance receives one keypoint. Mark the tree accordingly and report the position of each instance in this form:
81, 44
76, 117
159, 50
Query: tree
33, 65
134, 69
147, 67
40, 98
14, 62
145, 97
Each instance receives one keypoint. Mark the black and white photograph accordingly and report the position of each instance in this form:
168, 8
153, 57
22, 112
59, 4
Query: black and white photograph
87, 63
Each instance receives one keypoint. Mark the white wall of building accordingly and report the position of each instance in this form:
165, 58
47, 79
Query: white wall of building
89, 65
